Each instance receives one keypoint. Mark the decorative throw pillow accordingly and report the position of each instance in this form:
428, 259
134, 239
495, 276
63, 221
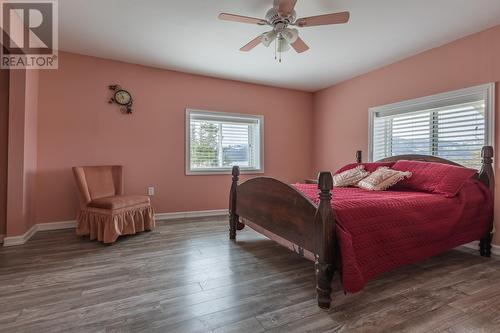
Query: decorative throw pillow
370, 167
350, 177
382, 179
434, 177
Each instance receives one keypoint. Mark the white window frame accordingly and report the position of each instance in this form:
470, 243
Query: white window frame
228, 116
438, 101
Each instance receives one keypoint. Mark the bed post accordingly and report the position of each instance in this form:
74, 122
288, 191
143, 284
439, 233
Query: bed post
487, 177
324, 235
359, 156
233, 218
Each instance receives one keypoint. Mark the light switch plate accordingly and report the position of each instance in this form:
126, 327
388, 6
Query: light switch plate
151, 191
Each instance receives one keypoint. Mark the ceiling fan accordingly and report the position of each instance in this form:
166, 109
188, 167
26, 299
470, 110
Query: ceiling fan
281, 17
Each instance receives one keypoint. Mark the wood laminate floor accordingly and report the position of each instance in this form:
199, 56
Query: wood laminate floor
188, 277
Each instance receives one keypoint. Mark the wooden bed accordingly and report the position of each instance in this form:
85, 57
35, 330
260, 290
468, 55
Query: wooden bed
279, 210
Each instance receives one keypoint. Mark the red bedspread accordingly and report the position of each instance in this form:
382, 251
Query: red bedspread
379, 231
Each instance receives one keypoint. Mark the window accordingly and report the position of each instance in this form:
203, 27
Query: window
215, 142
454, 126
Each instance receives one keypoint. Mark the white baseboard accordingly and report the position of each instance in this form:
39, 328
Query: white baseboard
186, 215
474, 245
20, 240
56, 225
495, 249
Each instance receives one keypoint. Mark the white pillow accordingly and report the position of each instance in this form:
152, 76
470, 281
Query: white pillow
350, 177
382, 179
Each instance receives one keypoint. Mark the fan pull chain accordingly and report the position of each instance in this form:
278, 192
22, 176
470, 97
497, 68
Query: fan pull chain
281, 45
275, 50
278, 46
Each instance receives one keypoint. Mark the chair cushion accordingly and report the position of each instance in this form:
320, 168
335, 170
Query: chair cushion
119, 202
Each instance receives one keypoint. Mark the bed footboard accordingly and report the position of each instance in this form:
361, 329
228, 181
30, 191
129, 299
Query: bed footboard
284, 211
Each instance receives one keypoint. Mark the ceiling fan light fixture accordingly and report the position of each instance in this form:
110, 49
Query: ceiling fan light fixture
291, 35
283, 45
268, 37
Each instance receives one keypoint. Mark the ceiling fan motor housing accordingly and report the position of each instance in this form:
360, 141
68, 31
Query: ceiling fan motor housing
275, 19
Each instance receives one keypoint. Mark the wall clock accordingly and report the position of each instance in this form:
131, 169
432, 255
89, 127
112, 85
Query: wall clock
121, 97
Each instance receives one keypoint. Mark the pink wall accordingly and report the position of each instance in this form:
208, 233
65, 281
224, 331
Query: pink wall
15, 181
23, 109
341, 111
31, 144
4, 119
76, 126
21, 131
22, 151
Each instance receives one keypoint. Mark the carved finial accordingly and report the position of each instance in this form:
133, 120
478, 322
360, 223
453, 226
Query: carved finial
325, 181
236, 171
486, 174
487, 154
359, 156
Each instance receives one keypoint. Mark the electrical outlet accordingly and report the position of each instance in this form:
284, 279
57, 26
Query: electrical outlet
151, 191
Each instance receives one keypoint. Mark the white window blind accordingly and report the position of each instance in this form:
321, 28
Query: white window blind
454, 128
216, 142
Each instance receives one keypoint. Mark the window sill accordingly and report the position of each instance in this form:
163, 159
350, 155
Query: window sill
223, 172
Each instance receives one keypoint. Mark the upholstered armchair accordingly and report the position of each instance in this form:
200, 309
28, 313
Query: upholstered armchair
105, 213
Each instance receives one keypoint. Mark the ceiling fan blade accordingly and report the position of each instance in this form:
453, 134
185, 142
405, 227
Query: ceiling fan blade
253, 43
336, 18
285, 7
241, 19
300, 46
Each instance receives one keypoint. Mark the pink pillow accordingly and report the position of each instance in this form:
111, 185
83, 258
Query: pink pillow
370, 167
434, 177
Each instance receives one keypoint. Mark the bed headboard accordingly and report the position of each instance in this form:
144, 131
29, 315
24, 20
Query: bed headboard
422, 158
485, 175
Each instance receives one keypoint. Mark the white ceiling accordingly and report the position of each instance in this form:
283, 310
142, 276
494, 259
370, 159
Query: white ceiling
186, 35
